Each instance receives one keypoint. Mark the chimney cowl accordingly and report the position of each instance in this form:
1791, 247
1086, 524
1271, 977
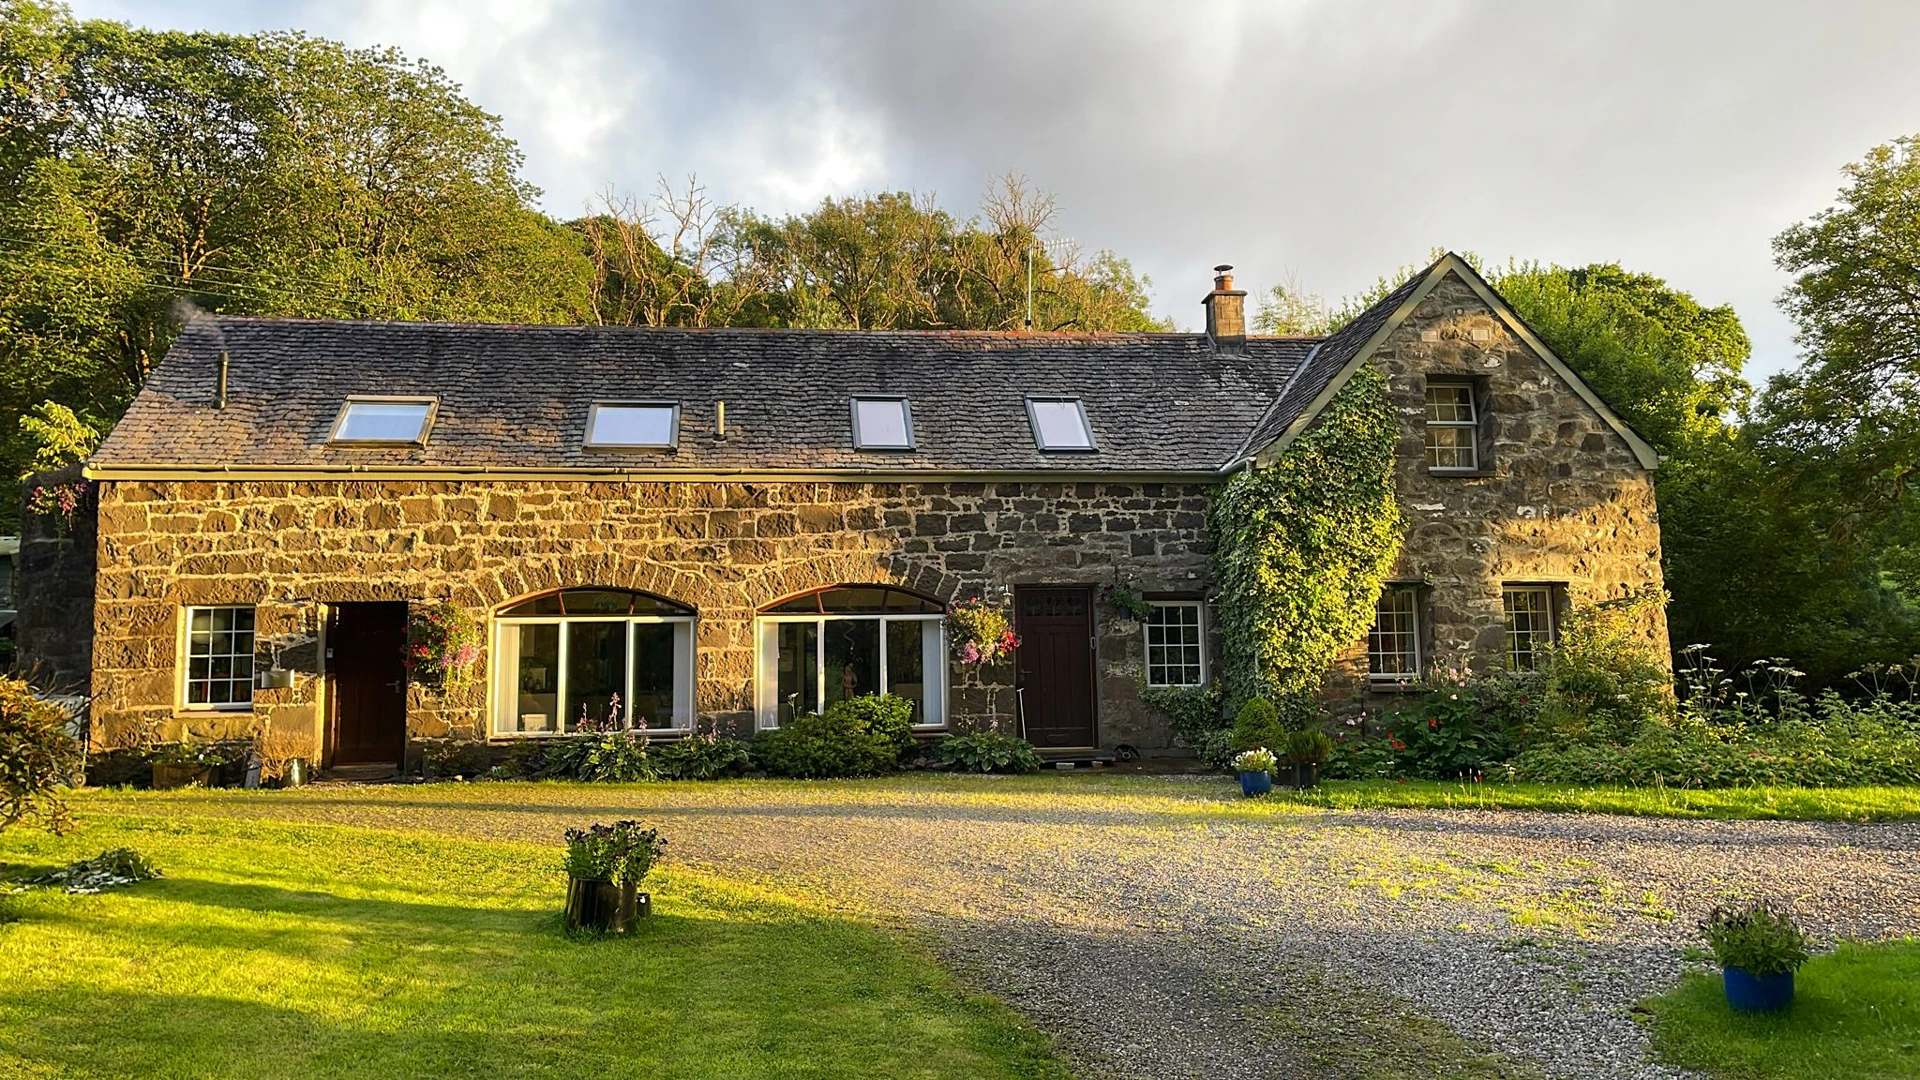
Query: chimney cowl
1226, 312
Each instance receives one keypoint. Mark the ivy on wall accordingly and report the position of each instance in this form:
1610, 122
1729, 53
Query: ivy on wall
1301, 549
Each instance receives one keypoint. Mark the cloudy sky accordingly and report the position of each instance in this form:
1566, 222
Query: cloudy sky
1326, 141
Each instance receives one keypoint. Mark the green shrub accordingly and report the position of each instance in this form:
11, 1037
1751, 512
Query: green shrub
1842, 745
38, 757
1448, 731
1603, 681
619, 757
1308, 747
866, 736
622, 852
699, 757
1757, 938
1258, 724
986, 752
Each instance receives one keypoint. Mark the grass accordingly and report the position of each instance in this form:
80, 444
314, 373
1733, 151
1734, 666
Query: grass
331, 951
1856, 1014
1760, 803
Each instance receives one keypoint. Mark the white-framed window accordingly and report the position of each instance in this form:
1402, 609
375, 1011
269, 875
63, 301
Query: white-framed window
1176, 635
366, 420
1393, 645
592, 659
1453, 427
633, 425
219, 658
848, 641
882, 423
1530, 623
1060, 423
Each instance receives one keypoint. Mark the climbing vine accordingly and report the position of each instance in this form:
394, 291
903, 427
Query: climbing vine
1302, 548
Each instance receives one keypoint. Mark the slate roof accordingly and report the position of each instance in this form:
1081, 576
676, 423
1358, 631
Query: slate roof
516, 397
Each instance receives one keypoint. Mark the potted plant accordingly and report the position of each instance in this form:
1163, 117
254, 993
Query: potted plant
1255, 767
443, 646
1758, 948
605, 864
981, 633
1125, 602
1307, 749
184, 764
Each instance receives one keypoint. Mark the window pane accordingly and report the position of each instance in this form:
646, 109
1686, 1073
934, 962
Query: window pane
383, 421
854, 601
1173, 640
1393, 644
1060, 425
1452, 447
852, 649
654, 670
1529, 625
906, 666
596, 675
534, 653
798, 676
596, 602
880, 424
1450, 403
632, 425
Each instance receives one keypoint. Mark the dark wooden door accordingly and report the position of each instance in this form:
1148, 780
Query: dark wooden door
368, 643
1055, 662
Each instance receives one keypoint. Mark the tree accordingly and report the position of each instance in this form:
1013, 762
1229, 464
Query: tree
143, 174
1289, 309
38, 757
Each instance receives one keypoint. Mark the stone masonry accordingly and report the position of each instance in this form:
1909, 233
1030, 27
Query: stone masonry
727, 550
1559, 497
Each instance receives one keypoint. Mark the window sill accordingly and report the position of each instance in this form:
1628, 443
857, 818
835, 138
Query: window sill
203, 710
1460, 474
1393, 686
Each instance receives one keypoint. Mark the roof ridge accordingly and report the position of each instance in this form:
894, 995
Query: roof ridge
1036, 335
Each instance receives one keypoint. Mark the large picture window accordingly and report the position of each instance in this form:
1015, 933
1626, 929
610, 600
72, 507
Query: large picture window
1176, 645
1393, 645
594, 660
841, 643
219, 672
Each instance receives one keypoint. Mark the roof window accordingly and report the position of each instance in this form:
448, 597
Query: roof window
882, 423
633, 425
1060, 423
384, 421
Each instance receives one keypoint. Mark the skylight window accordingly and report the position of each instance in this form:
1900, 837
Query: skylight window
384, 421
633, 425
1060, 424
882, 423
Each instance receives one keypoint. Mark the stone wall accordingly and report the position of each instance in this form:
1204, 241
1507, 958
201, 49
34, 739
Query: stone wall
1559, 497
728, 550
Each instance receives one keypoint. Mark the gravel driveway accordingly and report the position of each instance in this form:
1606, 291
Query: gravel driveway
1157, 928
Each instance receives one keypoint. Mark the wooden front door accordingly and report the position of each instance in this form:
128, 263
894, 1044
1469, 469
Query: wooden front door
368, 644
1055, 662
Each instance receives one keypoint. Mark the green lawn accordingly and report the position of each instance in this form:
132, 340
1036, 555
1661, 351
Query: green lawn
1856, 1014
1789, 803
324, 951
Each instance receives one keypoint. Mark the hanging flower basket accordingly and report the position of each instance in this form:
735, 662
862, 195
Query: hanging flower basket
981, 634
443, 647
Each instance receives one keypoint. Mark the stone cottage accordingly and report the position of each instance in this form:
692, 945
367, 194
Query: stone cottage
722, 528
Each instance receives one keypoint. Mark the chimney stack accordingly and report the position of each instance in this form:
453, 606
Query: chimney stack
1226, 313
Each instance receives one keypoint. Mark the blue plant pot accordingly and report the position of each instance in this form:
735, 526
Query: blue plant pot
1255, 783
1748, 992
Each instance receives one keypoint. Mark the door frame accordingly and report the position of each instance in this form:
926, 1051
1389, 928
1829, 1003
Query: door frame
1093, 661
331, 696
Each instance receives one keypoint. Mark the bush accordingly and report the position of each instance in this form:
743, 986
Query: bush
1258, 724
622, 852
1843, 744
1449, 731
618, 757
1196, 714
1757, 938
1603, 682
986, 752
1310, 746
699, 757
866, 736
38, 757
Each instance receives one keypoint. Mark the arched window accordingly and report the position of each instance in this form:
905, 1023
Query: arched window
848, 641
593, 659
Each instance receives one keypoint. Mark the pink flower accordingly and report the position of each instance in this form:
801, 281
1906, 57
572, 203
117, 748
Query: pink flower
970, 653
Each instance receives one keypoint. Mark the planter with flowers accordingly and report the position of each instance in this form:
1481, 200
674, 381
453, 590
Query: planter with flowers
605, 865
1255, 767
443, 647
981, 633
1758, 948
1126, 602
